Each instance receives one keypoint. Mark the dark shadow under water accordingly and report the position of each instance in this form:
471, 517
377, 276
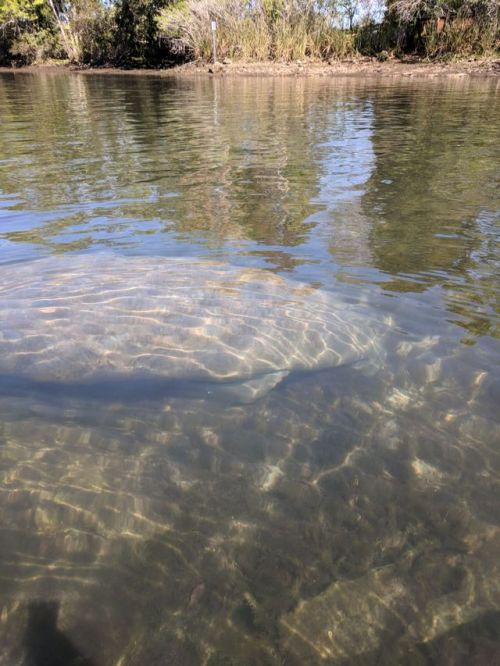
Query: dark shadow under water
45, 644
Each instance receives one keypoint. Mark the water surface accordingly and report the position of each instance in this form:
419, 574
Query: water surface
346, 515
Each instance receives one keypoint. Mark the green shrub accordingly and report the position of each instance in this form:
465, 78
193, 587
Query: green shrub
374, 38
36, 47
136, 39
93, 25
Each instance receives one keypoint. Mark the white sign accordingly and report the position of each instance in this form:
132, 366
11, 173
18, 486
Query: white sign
214, 26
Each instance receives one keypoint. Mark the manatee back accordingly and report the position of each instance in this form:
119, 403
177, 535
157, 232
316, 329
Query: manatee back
77, 318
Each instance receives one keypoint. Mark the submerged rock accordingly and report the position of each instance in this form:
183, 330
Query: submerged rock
393, 610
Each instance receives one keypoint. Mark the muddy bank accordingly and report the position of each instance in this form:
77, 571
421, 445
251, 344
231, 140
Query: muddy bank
362, 67
354, 68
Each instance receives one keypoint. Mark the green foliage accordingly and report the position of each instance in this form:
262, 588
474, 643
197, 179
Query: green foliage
140, 33
93, 24
27, 32
136, 37
19, 10
36, 47
373, 38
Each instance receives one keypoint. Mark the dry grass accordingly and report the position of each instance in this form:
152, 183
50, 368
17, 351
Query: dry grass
286, 30
462, 38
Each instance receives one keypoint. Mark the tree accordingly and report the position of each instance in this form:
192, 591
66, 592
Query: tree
349, 9
137, 36
93, 24
12, 11
60, 11
412, 10
25, 31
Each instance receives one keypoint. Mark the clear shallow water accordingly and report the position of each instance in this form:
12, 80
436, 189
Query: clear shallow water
347, 515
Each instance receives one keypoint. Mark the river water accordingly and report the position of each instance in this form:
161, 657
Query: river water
249, 371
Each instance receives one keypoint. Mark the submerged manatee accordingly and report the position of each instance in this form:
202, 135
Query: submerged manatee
107, 321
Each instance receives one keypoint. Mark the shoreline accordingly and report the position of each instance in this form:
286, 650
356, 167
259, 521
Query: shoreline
365, 67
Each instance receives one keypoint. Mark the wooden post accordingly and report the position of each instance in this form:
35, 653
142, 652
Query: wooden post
214, 45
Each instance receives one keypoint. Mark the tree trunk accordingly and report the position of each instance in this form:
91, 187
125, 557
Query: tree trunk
68, 38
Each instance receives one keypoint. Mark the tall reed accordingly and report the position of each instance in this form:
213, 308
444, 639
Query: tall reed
257, 30
462, 37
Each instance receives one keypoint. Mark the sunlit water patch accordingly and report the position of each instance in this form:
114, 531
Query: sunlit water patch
249, 377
